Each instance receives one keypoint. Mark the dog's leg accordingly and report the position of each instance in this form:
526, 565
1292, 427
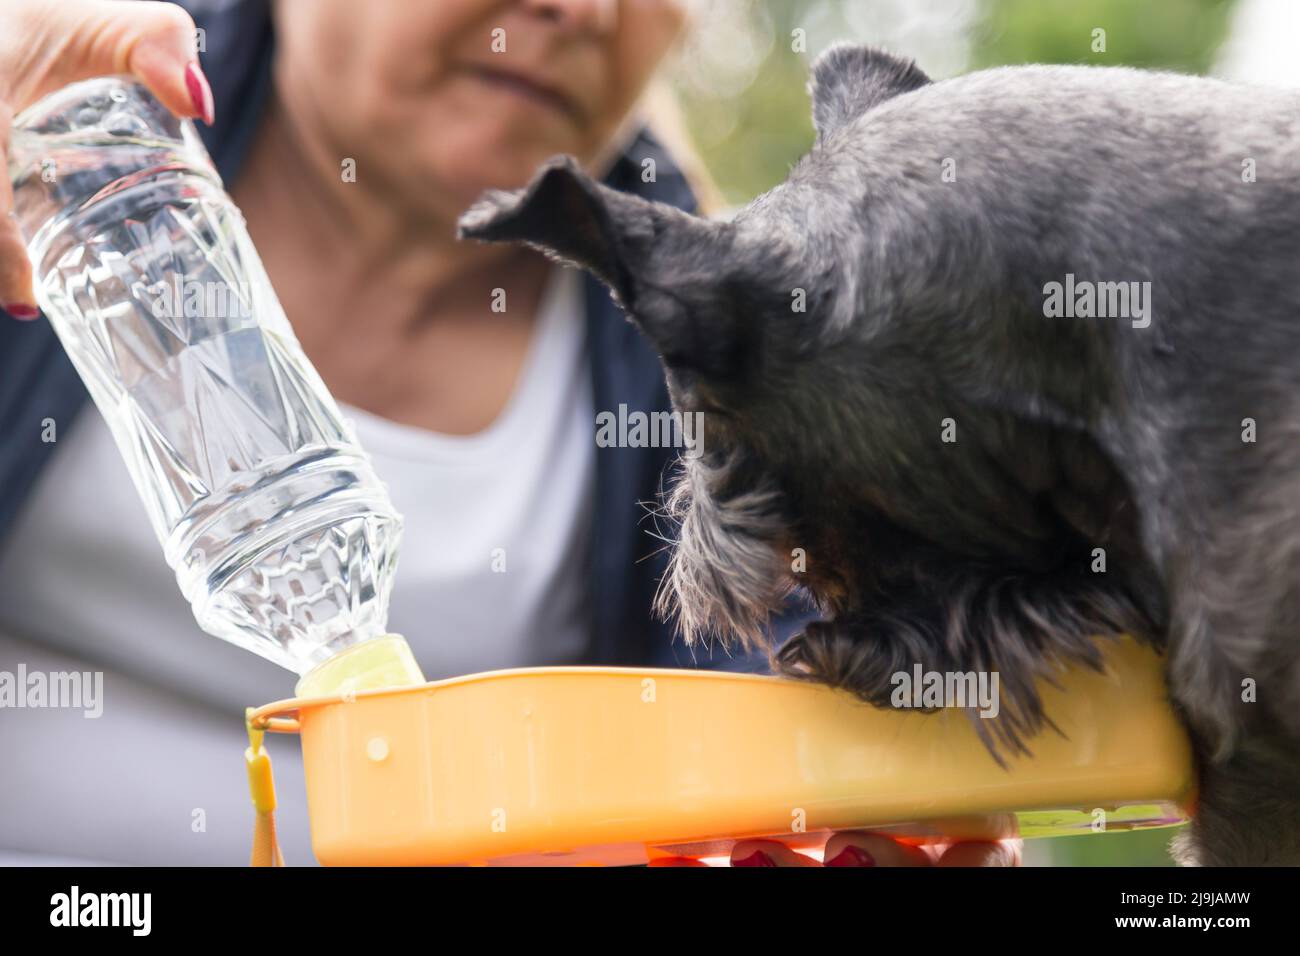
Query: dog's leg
1234, 672
1236, 695
1248, 811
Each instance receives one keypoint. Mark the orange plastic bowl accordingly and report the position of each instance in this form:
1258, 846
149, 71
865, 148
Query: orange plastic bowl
568, 765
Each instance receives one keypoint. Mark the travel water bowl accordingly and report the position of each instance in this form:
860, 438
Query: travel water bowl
285, 542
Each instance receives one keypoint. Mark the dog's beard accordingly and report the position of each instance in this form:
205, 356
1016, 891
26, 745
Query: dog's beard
1024, 627
726, 576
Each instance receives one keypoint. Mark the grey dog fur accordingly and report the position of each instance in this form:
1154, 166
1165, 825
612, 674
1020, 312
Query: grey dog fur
924, 303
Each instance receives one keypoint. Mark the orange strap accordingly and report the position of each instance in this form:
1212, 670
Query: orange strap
261, 787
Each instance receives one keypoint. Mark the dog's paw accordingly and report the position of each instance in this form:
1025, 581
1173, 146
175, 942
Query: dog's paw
826, 652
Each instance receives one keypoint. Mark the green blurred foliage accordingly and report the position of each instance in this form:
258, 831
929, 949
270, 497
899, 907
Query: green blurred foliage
751, 123
750, 137
1137, 848
748, 142
1180, 35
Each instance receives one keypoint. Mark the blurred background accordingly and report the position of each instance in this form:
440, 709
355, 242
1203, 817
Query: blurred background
740, 77
740, 83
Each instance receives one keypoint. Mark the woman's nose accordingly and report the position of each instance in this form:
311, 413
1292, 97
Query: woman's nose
598, 15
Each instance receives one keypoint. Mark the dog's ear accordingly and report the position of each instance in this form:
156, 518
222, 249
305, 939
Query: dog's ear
848, 80
661, 263
565, 214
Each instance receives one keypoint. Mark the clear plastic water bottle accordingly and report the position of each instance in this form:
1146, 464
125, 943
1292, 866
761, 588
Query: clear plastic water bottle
281, 535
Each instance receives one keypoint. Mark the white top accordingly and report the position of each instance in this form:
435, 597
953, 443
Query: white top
82, 576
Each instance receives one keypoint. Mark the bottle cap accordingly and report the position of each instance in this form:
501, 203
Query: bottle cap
379, 662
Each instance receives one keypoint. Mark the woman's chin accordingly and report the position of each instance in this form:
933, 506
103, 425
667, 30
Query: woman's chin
498, 158
467, 182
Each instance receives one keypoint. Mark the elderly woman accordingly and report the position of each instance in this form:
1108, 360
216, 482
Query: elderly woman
351, 135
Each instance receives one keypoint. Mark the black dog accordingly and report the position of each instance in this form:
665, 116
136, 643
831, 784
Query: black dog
1015, 359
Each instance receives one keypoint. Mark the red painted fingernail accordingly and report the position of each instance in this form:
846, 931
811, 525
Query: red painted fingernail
676, 861
757, 858
852, 856
200, 93
20, 311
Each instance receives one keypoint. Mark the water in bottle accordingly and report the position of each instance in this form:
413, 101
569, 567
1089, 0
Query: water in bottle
281, 535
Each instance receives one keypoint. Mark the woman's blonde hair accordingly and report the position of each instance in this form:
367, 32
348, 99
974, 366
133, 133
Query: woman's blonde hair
662, 111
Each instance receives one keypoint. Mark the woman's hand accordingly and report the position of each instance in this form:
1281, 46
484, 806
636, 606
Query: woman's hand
47, 44
860, 848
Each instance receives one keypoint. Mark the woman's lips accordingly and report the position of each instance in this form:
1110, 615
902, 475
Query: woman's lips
530, 89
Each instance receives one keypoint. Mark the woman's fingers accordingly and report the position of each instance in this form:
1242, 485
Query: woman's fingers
767, 853
47, 44
997, 853
676, 861
859, 848
851, 848
61, 41
15, 274
15, 269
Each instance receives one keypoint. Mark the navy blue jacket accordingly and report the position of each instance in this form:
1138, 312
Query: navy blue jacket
37, 381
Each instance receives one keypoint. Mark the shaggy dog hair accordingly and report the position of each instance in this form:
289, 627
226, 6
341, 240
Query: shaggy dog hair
979, 483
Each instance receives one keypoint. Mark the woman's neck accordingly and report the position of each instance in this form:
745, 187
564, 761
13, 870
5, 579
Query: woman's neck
394, 312
341, 248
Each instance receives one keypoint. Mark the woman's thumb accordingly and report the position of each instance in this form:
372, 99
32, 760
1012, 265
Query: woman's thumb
154, 42
57, 42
